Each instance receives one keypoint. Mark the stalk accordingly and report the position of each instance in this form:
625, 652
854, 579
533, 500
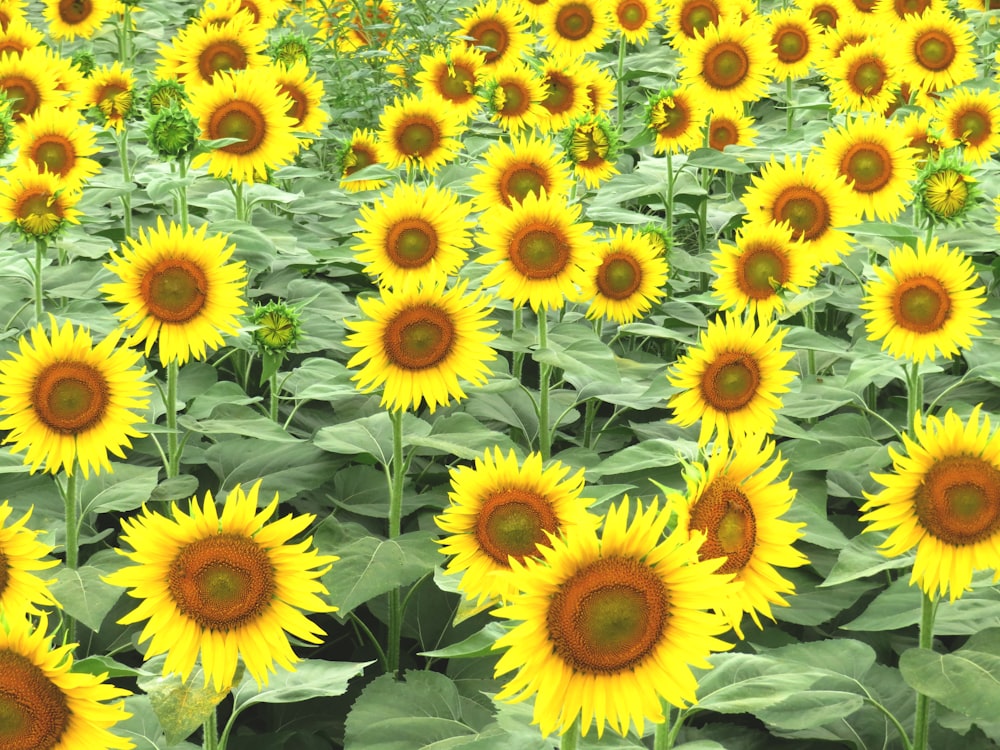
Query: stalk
72, 513
544, 383
921, 723
669, 201
173, 452
620, 80
570, 739
210, 732
397, 472
36, 271
914, 394
122, 140
788, 105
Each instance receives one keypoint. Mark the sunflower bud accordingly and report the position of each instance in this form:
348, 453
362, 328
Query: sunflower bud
278, 326
290, 49
172, 132
164, 93
6, 126
85, 61
947, 191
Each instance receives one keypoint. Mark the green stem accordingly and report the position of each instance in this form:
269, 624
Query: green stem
397, 473
544, 383
669, 200
809, 318
570, 739
36, 271
666, 733
72, 512
173, 453
706, 182
518, 356
210, 732
930, 233
620, 81
788, 105
124, 37
242, 207
914, 395
126, 198
182, 197
921, 722
273, 388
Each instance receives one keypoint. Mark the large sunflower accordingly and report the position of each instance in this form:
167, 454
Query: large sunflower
198, 53
610, 625
944, 499
863, 78
453, 75
21, 591
37, 203
28, 81
419, 341
676, 118
223, 586
574, 27
687, 20
514, 96
501, 510
360, 152
936, 50
418, 133
971, 119
250, 106
509, 172
416, 234
44, 704
69, 19
925, 302
497, 29
624, 277
538, 247
67, 401
178, 288
731, 381
57, 142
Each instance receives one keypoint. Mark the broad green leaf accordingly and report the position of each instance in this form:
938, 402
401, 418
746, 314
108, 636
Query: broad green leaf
478, 644
105, 665
311, 678
181, 487
710, 158
811, 708
181, 707
861, 559
645, 455
748, 683
899, 607
371, 435
288, 468
219, 394
814, 606
965, 681
232, 419
841, 656
83, 595
460, 435
143, 728
127, 488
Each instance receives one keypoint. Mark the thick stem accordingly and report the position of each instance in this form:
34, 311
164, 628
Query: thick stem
518, 356
71, 504
809, 318
669, 199
620, 81
914, 395
182, 197
397, 473
666, 733
788, 105
242, 205
922, 721
544, 383
570, 739
36, 271
273, 388
173, 452
210, 732
126, 199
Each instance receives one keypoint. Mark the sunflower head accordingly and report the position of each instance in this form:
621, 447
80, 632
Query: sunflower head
278, 326
163, 93
172, 132
83, 59
37, 203
21, 555
946, 190
592, 145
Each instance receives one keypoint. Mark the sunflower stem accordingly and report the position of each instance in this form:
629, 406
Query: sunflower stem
788, 105
669, 199
665, 734
544, 383
72, 505
570, 739
809, 318
36, 271
921, 722
173, 457
124, 39
240, 201
620, 80
914, 395
182, 195
930, 232
273, 389
397, 472
210, 732
126, 198
518, 356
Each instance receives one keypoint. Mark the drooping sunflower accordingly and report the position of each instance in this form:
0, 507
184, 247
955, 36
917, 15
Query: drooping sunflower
737, 503
677, 118
509, 172
863, 78
796, 41
57, 142
686, 20
45, 704
924, 303
179, 289
224, 586
198, 53
305, 91
37, 203
497, 29
635, 19
418, 341
514, 96
453, 75
565, 92
936, 50
111, 90
970, 119
876, 160
69, 19
418, 133
416, 234
572, 28
732, 379
21, 555
360, 152
812, 201
764, 262
946, 191
67, 401
538, 246
730, 127
624, 277
251, 106
592, 145
728, 64
19, 36
943, 498
28, 81
501, 509
610, 625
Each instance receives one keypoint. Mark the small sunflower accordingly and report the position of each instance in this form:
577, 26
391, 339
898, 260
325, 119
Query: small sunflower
730, 127
731, 381
264, 13
58, 143
497, 29
946, 191
924, 303
70, 19
453, 75
676, 118
943, 498
306, 94
971, 119
46, 705
863, 78
918, 127
624, 277
894, 11
223, 586
419, 341
634, 19
936, 50
111, 90
609, 626
29, 81
538, 247
416, 234
687, 20
37, 203
502, 510
796, 41
19, 36
67, 401
418, 133
21, 555
178, 289
574, 27
591, 144
508, 172
600, 86
737, 503
198, 53
360, 152
514, 96
728, 64
565, 96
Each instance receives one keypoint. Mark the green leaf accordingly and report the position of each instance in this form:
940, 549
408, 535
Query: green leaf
127, 488
143, 728
83, 595
181, 707
233, 419
648, 454
459, 435
966, 681
812, 708
371, 435
899, 607
748, 683
477, 644
861, 559
311, 678
710, 158
105, 665
180, 487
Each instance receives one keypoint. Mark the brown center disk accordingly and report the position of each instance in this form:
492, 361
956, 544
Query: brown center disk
238, 119
730, 381
174, 290
724, 514
512, 521
33, 710
959, 500
539, 252
419, 337
70, 397
921, 304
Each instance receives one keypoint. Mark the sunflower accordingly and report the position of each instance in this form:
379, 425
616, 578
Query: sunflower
497, 29
179, 289
853, 29
600, 86
360, 152
827, 13
418, 133
111, 90
509, 172
687, 20
37, 203
943, 498
971, 119
57, 142
538, 246
677, 117
69, 19
924, 303
19, 36
729, 64
765, 262
28, 81
610, 624
414, 235
264, 13
864, 6
531, 8
624, 277
198, 53
514, 96
66, 400
730, 127
277, 326
419, 341
501, 511
813, 202
918, 127
572, 28
796, 41
946, 191
894, 11
876, 160
936, 50
306, 93
732, 380
11, 10
634, 19
737, 503
565, 93
592, 145
21, 591
45, 704
251, 106
373, 28
453, 75
223, 586
863, 78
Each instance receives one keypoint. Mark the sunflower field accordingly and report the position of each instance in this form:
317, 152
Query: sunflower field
499, 374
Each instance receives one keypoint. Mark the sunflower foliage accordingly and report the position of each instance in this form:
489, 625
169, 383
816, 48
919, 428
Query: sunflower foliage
382, 375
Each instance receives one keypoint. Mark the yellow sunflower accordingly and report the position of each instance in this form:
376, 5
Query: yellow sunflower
796, 41
531, 8
453, 75
894, 11
936, 50
946, 192
924, 303
306, 93
624, 277
496, 28
508, 172
600, 86
764, 263
501, 510
634, 19
11, 10
418, 342
863, 78
223, 586
19, 36
198, 53
943, 498
918, 127
537, 247
565, 92
45, 704
729, 64
58, 143
514, 96
28, 81
591, 144
875, 158
687, 20
66, 400
853, 29
418, 133
69, 19
610, 625
731, 381
737, 503
970, 119
37, 203
572, 28
677, 118
264, 13
178, 288
813, 202
21, 591
250, 106
360, 152
827, 13
416, 234
111, 90
730, 127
